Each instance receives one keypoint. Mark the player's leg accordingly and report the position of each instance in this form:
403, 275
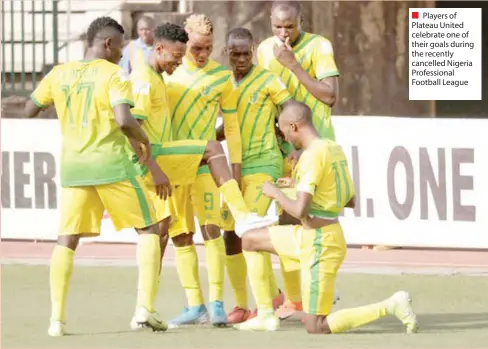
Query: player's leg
322, 252
181, 232
280, 240
236, 265
164, 213
81, 215
291, 278
205, 197
237, 273
139, 212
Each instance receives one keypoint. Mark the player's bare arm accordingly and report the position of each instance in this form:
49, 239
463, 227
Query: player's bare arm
325, 90
132, 129
31, 110
298, 208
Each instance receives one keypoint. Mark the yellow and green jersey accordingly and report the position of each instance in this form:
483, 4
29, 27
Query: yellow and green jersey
151, 105
94, 150
323, 172
258, 97
196, 96
316, 56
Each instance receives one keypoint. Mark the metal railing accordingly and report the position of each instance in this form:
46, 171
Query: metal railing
29, 33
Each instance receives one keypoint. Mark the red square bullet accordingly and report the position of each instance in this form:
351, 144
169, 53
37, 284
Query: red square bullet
415, 15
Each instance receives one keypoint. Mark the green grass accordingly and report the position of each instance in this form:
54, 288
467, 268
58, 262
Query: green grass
453, 312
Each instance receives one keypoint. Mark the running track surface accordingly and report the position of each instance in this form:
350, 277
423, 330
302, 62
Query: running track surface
403, 260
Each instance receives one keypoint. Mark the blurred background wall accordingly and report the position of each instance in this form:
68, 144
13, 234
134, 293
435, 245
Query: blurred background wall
370, 40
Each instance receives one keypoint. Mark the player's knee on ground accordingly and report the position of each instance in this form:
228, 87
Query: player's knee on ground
316, 324
69, 241
257, 240
232, 243
213, 148
183, 240
210, 232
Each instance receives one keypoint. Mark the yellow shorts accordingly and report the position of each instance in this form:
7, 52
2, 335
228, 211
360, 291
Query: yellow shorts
183, 220
251, 186
180, 160
201, 199
128, 204
319, 253
164, 208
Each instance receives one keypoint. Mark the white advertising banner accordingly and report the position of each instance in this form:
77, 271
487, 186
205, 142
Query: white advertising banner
420, 182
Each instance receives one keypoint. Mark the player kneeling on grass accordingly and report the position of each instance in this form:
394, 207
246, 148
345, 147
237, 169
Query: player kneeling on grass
323, 187
93, 99
176, 163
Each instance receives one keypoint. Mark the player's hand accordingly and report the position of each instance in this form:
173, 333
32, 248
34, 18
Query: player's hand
285, 182
162, 183
351, 203
294, 156
270, 190
284, 54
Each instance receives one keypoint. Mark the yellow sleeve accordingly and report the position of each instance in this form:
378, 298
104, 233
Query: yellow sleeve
43, 94
120, 89
141, 90
323, 60
277, 91
231, 123
310, 171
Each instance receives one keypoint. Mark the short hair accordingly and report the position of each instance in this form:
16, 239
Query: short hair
199, 23
297, 112
100, 24
171, 32
286, 5
239, 33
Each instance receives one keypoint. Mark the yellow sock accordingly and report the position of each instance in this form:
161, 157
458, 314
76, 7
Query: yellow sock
215, 254
347, 319
292, 283
273, 286
234, 199
237, 271
149, 263
60, 275
259, 280
187, 267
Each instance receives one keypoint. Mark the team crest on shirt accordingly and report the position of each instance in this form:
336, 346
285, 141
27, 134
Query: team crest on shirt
206, 90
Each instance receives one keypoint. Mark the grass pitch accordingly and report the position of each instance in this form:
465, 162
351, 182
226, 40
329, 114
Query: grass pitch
453, 313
